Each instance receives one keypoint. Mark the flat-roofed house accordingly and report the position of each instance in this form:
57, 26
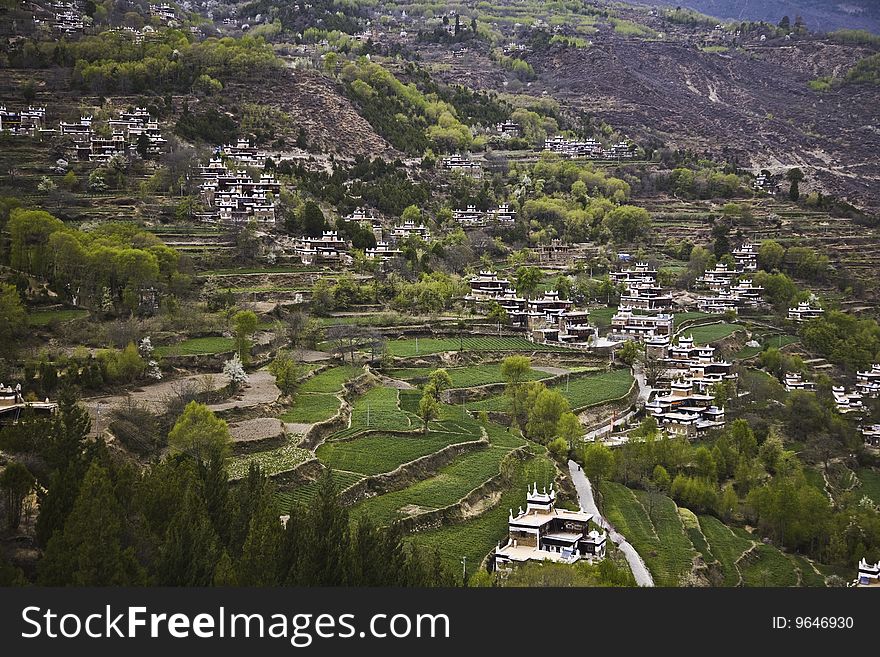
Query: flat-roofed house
544, 532
868, 382
804, 312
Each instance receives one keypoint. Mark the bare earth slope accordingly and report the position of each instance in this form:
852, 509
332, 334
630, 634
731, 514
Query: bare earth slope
755, 103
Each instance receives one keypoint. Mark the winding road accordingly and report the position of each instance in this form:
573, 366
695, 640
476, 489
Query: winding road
588, 504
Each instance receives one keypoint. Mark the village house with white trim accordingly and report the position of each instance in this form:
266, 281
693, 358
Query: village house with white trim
544, 532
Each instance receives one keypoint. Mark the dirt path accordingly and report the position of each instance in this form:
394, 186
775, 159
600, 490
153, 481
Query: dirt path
261, 389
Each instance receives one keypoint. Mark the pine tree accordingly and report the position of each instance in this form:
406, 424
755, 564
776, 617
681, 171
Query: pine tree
326, 548
260, 554
191, 550
89, 551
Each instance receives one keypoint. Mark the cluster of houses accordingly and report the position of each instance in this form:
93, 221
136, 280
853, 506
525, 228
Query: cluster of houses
387, 240
471, 217
643, 313
731, 291
132, 131
588, 148
544, 532
329, 248
232, 197
28, 121
687, 406
848, 401
463, 165
67, 18
164, 12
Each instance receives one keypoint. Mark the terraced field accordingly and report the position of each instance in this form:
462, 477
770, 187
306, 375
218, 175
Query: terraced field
46, 317
448, 486
307, 492
407, 348
725, 546
197, 347
581, 392
477, 537
272, 462
665, 547
870, 484
308, 408
464, 377
711, 332
378, 453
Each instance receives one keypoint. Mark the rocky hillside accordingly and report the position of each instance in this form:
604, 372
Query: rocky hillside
822, 15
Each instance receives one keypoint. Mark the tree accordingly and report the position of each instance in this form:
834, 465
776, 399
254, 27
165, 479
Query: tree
496, 313
412, 213
629, 352
558, 448
569, 429
429, 410
16, 482
233, 370
785, 23
527, 280
283, 368
191, 548
794, 176
514, 370
89, 551
199, 433
770, 255
440, 380
598, 466
313, 221
660, 477
543, 417
627, 223
13, 318
729, 502
743, 438
245, 324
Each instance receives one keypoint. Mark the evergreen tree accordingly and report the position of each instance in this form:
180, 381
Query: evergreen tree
191, 550
16, 482
326, 547
260, 554
89, 551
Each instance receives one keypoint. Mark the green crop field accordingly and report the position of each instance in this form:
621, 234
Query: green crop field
197, 347
477, 537
870, 484
681, 318
809, 576
272, 462
747, 352
664, 546
449, 485
601, 317
375, 454
378, 409
711, 332
580, 392
767, 566
331, 380
419, 347
46, 317
312, 407
465, 377
306, 493
726, 547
